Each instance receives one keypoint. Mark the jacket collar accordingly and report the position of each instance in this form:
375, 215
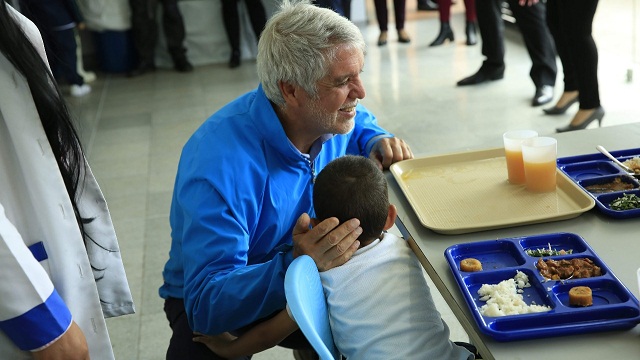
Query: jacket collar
266, 120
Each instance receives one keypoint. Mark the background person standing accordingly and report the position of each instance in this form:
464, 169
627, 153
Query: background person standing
145, 34
231, 19
446, 33
571, 24
531, 20
57, 20
382, 14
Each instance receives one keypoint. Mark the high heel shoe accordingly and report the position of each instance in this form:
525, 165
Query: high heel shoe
472, 38
445, 34
382, 39
561, 110
597, 114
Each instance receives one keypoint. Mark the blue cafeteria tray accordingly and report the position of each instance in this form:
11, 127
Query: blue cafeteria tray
614, 306
596, 168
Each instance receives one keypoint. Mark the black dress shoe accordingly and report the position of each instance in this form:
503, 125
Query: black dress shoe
544, 94
560, 110
182, 65
483, 75
427, 5
597, 114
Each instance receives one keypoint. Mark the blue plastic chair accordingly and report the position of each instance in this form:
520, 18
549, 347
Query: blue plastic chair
305, 296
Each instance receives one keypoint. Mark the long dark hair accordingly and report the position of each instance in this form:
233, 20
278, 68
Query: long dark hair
52, 109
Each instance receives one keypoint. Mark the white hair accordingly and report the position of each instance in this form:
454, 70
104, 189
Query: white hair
298, 44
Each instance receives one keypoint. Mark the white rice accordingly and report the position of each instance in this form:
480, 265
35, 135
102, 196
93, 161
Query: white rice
506, 298
633, 163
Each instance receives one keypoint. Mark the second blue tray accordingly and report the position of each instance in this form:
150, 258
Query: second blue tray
596, 168
614, 306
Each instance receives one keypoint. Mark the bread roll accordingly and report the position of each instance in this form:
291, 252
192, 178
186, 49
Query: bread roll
470, 265
580, 296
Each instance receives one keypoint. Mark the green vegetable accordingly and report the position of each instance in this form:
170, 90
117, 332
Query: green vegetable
626, 202
541, 252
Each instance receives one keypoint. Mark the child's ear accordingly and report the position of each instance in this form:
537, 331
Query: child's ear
391, 217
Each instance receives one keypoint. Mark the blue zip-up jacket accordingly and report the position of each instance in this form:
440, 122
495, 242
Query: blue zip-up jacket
240, 187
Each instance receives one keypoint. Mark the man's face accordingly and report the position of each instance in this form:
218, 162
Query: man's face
333, 110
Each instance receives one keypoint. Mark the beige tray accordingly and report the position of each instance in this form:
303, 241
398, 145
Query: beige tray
466, 192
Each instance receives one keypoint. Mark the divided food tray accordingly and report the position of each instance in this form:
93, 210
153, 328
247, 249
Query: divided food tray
592, 169
614, 306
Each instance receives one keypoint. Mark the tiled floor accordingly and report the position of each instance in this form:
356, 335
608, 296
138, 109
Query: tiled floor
133, 130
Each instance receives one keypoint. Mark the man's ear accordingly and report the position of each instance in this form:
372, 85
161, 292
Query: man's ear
391, 217
289, 92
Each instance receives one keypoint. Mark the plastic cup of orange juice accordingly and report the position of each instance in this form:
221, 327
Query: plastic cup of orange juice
513, 152
539, 157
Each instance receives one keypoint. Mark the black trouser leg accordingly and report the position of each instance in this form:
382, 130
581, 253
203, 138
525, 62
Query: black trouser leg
399, 10
231, 21
144, 28
382, 14
173, 26
492, 33
182, 347
531, 21
66, 59
561, 42
346, 7
576, 19
257, 15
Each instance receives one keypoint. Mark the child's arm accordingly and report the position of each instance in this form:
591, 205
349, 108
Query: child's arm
261, 337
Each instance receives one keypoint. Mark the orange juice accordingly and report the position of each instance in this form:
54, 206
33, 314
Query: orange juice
515, 166
541, 176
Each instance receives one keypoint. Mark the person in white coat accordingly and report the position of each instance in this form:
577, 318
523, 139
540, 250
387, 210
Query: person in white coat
61, 273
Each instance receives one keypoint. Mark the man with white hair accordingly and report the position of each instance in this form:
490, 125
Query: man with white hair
242, 199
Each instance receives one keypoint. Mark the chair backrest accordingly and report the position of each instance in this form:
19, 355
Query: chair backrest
305, 297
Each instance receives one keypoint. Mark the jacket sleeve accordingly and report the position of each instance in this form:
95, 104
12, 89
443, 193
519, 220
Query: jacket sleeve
222, 290
366, 132
32, 313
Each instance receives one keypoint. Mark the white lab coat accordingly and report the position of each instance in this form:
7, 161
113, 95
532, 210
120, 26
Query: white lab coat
35, 207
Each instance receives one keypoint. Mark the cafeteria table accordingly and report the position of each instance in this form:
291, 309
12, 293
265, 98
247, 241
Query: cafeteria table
615, 241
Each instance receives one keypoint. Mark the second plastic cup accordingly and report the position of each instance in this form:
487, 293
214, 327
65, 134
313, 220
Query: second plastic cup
513, 152
539, 157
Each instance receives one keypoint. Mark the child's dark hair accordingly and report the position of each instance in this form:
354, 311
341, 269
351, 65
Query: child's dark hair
353, 187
